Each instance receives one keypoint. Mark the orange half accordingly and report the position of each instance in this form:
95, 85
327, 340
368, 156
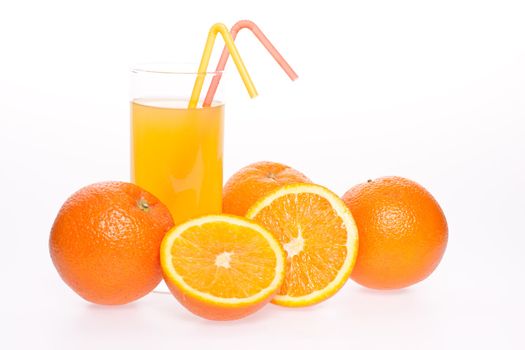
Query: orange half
222, 267
319, 235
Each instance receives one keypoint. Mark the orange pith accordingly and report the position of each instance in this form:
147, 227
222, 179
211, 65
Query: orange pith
319, 236
222, 267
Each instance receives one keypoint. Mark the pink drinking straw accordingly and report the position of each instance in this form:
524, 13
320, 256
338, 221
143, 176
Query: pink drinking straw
225, 54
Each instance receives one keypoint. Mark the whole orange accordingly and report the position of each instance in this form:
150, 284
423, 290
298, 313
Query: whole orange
105, 242
403, 232
253, 182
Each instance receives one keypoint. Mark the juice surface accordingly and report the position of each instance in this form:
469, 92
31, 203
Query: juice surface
176, 154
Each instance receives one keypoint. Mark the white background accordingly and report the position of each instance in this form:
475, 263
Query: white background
430, 90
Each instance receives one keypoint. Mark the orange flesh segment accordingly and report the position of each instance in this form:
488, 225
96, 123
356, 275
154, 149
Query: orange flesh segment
324, 237
224, 260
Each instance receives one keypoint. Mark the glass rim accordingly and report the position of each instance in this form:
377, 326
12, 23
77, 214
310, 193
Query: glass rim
169, 68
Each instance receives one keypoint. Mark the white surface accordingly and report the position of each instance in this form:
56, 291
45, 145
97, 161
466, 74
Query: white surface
433, 91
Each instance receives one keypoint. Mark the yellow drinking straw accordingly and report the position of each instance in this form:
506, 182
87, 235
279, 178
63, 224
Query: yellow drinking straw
205, 60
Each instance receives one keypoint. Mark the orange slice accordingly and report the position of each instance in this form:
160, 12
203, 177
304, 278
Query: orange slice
222, 267
319, 236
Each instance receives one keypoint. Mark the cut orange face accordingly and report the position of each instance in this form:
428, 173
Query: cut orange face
222, 267
319, 236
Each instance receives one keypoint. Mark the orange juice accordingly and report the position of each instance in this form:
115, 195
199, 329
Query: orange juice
176, 154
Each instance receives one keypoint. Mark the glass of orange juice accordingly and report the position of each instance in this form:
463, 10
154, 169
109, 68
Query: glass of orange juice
176, 151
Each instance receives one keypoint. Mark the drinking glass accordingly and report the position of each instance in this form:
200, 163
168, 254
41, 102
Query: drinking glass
176, 151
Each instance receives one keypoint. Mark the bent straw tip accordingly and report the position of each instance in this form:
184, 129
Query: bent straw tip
218, 24
244, 23
218, 27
